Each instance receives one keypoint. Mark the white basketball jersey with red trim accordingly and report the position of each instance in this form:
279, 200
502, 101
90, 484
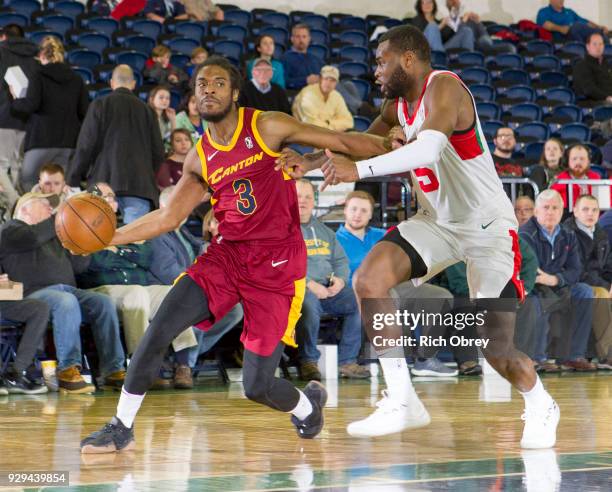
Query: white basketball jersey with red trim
463, 185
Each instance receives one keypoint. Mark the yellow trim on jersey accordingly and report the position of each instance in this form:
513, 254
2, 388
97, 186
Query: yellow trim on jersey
202, 156
295, 311
230, 146
258, 138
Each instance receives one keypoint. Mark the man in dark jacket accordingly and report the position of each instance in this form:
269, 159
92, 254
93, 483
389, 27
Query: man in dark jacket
594, 249
593, 74
31, 253
120, 144
559, 276
14, 51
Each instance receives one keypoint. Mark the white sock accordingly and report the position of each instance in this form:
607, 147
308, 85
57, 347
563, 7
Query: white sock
128, 407
536, 397
397, 378
303, 408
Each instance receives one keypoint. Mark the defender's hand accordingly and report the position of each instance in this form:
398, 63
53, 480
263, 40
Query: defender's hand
338, 169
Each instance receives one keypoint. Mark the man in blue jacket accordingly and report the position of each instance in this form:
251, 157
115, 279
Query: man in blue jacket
301, 67
559, 274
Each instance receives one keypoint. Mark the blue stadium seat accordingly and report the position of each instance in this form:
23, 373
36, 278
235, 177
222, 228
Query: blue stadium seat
191, 30
520, 93
535, 131
11, 18
516, 76
602, 113
279, 50
319, 50
182, 45
105, 25
575, 131
361, 123
439, 58
37, 36
354, 53
69, 8
574, 48
175, 98
471, 59
104, 91
476, 75
297, 15
483, 92
364, 88
490, 127
540, 46
85, 73
354, 38
508, 60
228, 48
560, 94
533, 150
278, 19
134, 59
315, 21
527, 111
317, 36
389, 23
353, 23
240, 17
546, 62
488, 111
147, 27
139, 42
58, 23
602, 171
97, 42
554, 79
24, 7
84, 58
353, 69
180, 60
571, 111
235, 32
280, 34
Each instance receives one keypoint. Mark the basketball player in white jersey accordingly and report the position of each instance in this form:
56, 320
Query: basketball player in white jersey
464, 216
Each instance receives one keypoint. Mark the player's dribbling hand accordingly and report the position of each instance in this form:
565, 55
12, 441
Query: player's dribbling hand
338, 169
292, 162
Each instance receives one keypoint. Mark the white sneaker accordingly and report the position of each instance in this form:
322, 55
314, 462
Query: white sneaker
542, 473
390, 417
540, 430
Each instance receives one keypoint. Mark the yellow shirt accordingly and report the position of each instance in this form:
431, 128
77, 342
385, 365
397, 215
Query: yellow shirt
311, 107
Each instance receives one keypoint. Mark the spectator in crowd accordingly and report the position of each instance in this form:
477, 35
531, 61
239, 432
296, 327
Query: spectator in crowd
301, 68
34, 314
558, 279
594, 249
120, 144
605, 223
579, 164
103, 8
159, 101
159, 70
552, 158
122, 273
261, 93
171, 169
198, 55
523, 209
164, 10
189, 117
31, 253
433, 29
356, 236
564, 23
56, 103
14, 51
509, 166
322, 105
51, 180
265, 47
593, 74
327, 292
458, 16
203, 10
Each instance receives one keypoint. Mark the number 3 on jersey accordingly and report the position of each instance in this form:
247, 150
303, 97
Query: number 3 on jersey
245, 203
427, 179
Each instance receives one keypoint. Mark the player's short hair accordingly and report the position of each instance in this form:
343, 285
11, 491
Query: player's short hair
12, 31
548, 195
51, 168
160, 50
225, 64
300, 25
364, 195
407, 38
586, 196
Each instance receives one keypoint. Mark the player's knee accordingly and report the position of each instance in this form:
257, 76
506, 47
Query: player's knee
368, 284
256, 389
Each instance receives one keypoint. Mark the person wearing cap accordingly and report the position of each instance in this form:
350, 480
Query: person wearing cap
322, 105
31, 253
261, 93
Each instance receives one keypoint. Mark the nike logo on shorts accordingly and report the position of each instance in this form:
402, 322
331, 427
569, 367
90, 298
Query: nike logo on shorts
212, 155
487, 225
276, 263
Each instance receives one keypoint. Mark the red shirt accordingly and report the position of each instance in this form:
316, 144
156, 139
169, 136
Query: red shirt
251, 200
577, 189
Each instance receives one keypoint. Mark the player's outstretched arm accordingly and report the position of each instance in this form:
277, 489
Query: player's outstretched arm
187, 195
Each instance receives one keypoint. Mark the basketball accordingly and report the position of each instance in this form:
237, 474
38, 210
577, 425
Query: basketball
85, 223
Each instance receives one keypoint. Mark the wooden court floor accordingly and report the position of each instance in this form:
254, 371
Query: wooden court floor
213, 439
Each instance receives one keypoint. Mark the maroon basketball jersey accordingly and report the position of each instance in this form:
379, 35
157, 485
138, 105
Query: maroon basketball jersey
251, 200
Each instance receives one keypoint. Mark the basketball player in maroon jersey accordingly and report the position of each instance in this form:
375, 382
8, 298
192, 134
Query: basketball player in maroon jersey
258, 258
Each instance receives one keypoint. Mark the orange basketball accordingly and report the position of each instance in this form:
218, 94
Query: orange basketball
85, 223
